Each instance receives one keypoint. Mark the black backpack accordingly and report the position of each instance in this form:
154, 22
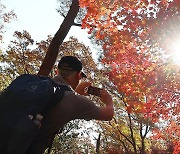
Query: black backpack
27, 97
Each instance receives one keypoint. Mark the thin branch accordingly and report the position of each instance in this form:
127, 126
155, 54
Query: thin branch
76, 24
132, 133
122, 133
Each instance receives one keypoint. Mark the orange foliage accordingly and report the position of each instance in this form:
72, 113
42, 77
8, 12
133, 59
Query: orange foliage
134, 34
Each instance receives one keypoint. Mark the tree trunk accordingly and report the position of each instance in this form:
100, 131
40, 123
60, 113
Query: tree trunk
143, 147
132, 134
53, 49
98, 144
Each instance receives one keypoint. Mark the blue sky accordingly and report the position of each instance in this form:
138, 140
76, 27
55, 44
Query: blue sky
39, 18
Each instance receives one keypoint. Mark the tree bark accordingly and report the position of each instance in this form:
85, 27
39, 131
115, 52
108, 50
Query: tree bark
142, 150
98, 144
132, 133
59, 37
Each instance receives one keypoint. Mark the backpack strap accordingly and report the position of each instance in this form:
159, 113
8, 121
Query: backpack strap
59, 94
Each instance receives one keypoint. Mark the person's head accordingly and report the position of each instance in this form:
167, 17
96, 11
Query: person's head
70, 68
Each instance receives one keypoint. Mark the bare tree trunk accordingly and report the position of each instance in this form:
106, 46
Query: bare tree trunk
53, 49
132, 134
142, 150
98, 144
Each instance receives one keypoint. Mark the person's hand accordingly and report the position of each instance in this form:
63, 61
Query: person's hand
106, 112
82, 88
106, 97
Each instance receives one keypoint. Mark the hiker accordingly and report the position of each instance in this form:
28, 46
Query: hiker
73, 105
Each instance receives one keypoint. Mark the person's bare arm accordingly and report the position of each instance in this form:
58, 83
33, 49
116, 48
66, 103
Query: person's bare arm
107, 112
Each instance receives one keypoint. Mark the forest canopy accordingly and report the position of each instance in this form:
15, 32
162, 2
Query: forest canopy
139, 65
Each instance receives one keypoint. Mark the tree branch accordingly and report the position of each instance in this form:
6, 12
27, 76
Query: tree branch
132, 134
121, 132
75, 24
53, 49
